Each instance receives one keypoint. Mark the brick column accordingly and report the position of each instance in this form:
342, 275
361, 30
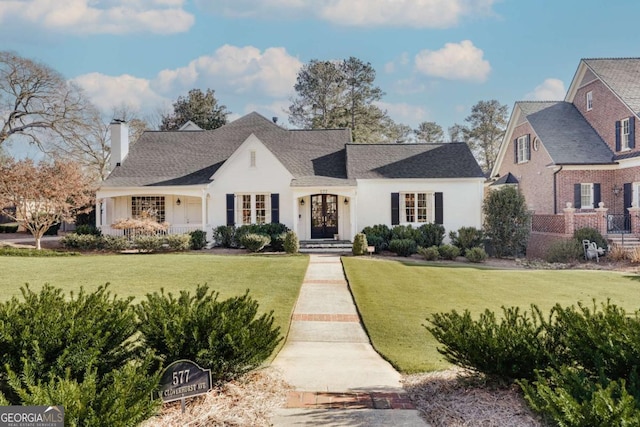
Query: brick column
569, 219
601, 219
634, 212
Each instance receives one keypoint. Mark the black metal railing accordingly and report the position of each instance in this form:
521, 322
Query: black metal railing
618, 223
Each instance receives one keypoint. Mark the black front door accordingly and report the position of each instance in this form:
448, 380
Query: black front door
324, 216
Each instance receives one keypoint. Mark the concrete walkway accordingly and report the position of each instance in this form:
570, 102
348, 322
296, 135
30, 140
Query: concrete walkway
338, 377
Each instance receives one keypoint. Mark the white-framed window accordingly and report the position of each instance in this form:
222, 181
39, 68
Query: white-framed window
152, 207
589, 100
624, 133
253, 208
417, 207
586, 195
524, 151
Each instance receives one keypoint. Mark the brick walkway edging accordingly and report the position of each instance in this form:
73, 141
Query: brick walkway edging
350, 400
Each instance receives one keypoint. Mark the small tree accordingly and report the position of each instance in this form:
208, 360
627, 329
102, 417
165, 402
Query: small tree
506, 221
201, 108
44, 194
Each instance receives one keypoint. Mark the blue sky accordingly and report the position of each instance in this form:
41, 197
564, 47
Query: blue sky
434, 58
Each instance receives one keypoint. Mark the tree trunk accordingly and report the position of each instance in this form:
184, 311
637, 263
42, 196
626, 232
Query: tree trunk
38, 237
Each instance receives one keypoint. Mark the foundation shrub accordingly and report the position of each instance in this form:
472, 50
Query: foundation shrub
360, 244
4, 228
198, 240
148, 243
275, 232
115, 243
617, 253
88, 229
429, 235
591, 234
83, 242
403, 247
564, 251
404, 232
228, 337
449, 252
225, 236
254, 242
466, 238
178, 242
476, 255
378, 236
291, 243
430, 254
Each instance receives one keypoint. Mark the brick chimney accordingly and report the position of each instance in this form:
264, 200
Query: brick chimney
119, 142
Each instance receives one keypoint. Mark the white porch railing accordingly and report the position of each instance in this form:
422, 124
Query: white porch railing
173, 229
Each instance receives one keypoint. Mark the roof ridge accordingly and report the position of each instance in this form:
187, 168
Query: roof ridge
610, 58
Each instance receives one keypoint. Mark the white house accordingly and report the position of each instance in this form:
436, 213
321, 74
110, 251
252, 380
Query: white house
316, 182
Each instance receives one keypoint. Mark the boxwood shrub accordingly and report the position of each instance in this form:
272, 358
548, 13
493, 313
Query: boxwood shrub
403, 247
254, 242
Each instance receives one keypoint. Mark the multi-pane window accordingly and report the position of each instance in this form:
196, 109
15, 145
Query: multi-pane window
586, 195
152, 207
417, 207
589, 100
624, 133
524, 152
254, 208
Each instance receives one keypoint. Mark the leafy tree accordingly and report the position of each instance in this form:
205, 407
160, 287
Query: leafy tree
456, 132
44, 194
487, 124
429, 132
334, 94
201, 108
36, 101
395, 132
506, 221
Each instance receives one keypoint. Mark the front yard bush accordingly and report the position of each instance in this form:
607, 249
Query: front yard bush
8, 228
115, 243
178, 242
360, 244
88, 229
430, 254
403, 232
564, 251
198, 240
30, 252
403, 247
225, 236
449, 252
275, 232
430, 235
476, 254
148, 243
227, 336
591, 234
466, 238
291, 243
83, 242
378, 236
254, 242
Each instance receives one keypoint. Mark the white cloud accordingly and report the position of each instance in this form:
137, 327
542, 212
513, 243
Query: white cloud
548, 90
99, 16
455, 61
107, 92
236, 70
364, 13
231, 71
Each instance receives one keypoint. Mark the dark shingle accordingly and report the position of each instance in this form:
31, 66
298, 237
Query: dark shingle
450, 160
564, 132
622, 75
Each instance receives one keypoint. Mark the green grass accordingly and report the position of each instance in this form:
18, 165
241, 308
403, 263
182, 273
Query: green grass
396, 298
274, 281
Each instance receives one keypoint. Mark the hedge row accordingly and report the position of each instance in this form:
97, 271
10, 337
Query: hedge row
144, 243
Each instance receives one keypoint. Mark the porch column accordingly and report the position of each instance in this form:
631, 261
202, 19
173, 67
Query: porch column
601, 218
569, 219
634, 213
353, 209
203, 215
98, 213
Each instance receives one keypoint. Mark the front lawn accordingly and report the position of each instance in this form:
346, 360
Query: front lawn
274, 281
395, 298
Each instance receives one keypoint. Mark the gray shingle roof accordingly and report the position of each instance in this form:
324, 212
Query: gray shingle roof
564, 132
450, 160
314, 157
622, 75
509, 178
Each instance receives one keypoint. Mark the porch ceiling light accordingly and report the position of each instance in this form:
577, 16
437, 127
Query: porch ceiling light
178, 202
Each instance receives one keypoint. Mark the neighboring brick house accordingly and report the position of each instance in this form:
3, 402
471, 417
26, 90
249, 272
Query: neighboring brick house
581, 150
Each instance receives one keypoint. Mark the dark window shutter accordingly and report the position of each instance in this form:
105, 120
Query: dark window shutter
596, 195
632, 132
275, 208
395, 208
627, 195
528, 147
618, 139
439, 209
231, 201
515, 150
577, 199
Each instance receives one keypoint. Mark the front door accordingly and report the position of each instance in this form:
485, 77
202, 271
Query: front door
324, 216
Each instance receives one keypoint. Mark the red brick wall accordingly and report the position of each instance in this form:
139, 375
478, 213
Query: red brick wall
607, 109
539, 243
536, 180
